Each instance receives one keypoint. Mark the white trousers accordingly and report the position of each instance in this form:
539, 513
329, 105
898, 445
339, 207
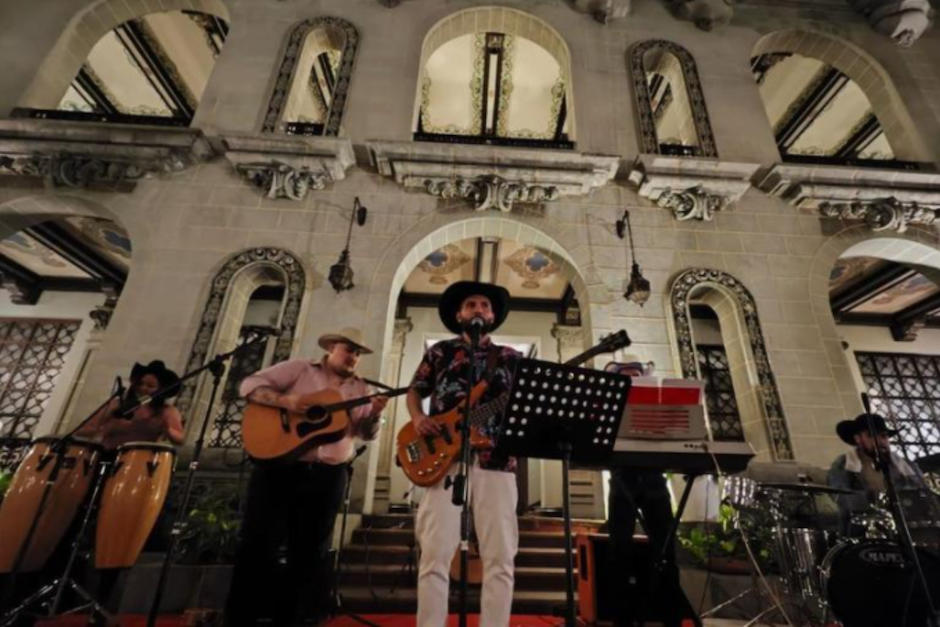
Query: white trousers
437, 527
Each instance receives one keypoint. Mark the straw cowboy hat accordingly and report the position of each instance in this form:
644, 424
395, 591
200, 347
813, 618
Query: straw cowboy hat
454, 295
350, 335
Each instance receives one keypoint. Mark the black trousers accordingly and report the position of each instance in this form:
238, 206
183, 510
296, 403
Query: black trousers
282, 572
634, 491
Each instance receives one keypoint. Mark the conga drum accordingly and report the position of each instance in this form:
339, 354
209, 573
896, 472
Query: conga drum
131, 501
66, 494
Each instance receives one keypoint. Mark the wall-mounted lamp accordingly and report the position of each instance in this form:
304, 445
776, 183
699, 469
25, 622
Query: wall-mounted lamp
638, 289
341, 272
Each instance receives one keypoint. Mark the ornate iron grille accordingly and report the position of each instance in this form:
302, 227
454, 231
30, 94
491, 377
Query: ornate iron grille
720, 402
227, 428
905, 389
32, 352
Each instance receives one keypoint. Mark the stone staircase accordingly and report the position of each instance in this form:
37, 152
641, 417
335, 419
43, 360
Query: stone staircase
379, 566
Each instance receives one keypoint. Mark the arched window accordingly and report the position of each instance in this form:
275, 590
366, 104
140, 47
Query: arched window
671, 108
497, 76
310, 91
746, 368
829, 102
151, 69
257, 287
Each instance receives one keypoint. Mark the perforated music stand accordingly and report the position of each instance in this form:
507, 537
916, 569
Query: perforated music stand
562, 412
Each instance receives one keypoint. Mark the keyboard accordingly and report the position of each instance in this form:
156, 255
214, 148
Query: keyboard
680, 456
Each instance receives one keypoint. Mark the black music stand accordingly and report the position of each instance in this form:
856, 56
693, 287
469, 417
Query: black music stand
567, 413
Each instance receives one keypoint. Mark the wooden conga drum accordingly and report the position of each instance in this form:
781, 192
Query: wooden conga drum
66, 495
131, 501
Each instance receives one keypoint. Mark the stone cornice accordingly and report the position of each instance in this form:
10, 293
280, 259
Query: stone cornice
288, 167
490, 177
70, 154
692, 188
884, 199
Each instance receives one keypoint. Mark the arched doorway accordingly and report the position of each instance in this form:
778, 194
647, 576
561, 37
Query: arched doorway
63, 263
526, 260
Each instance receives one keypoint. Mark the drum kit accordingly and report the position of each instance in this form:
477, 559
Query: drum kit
55, 480
861, 577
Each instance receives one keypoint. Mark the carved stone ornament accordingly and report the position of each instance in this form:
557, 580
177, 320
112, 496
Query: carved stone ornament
882, 215
489, 177
280, 180
885, 199
101, 314
904, 21
568, 336
645, 118
706, 14
78, 155
769, 396
693, 189
287, 73
491, 192
295, 279
603, 11
288, 167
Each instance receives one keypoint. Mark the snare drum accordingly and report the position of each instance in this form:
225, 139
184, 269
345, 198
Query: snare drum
66, 495
131, 502
800, 551
868, 584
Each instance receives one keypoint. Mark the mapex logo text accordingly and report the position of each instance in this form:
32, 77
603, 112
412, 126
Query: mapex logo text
882, 556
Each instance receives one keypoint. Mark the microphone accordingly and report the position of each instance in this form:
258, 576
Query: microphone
118, 388
475, 327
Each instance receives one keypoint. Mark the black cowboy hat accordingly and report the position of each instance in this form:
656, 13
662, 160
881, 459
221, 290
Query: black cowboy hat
454, 295
169, 380
847, 429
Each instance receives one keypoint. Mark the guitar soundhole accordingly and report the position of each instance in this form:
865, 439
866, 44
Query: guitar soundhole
317, 418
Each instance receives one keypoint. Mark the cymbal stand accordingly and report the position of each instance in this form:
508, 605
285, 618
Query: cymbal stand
217, 367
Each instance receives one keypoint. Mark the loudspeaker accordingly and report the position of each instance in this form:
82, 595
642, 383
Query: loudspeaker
621, 591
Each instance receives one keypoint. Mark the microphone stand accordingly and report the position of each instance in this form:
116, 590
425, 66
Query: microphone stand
217, 367
906, 542
461, 481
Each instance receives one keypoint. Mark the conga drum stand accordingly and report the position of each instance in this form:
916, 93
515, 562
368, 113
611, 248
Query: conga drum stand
55, 589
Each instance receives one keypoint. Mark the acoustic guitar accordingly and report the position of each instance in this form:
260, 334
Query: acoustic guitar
425, 459
276, 433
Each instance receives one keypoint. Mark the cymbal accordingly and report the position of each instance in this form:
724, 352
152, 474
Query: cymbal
929, 463
811, 488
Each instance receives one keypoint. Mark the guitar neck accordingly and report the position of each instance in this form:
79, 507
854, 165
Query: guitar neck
362, 400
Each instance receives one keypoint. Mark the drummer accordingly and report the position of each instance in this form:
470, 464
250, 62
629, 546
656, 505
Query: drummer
116, 424
856, 470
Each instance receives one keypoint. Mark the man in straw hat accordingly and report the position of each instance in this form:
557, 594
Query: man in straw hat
442, 375
296, 503
856, 470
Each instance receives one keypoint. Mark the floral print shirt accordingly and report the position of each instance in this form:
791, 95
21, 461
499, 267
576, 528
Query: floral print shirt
442, 374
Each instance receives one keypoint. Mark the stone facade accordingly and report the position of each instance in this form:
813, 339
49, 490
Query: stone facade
186, 222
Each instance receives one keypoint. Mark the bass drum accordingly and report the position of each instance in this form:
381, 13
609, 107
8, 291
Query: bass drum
868, 584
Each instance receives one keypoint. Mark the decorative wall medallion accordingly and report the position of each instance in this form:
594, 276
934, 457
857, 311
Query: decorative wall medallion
442, 262
101, 314
604, 11
532, 266
106, 234
281, 180
888, 214
295, 285
285, 76
694, 203
491, 192
706, 14
648, 137
769, 395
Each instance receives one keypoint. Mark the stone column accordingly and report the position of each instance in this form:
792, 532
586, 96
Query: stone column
392, 366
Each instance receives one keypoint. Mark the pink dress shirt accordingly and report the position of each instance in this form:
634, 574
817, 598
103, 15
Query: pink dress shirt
301, 376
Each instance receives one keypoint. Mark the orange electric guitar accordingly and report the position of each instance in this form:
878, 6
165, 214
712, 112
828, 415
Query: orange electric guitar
273, 432
425, 459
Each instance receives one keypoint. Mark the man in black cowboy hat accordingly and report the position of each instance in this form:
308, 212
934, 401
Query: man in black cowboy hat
115, 424
442, 374
856, 470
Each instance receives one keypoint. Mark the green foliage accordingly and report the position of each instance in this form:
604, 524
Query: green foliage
6, 477
723, 540
210, 535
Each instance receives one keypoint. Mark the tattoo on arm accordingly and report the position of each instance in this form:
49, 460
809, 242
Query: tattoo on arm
266, 396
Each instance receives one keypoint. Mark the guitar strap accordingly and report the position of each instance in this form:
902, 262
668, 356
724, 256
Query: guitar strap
492, 355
